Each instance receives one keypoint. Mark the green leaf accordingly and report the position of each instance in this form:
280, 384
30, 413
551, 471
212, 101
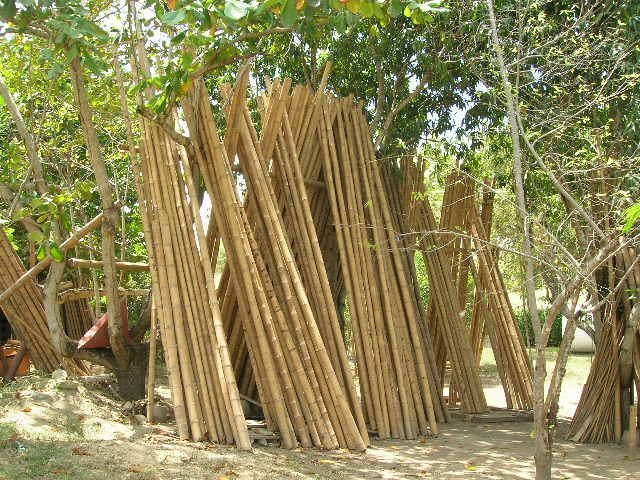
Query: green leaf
354, 6
631, 216
395, 8
265, 6
289, 13
173, 18
36, 236
235, 9
8, 9
366, 9
178, 38
36, 202
94, 65
21, 213
56, 253
42, 253
55, 71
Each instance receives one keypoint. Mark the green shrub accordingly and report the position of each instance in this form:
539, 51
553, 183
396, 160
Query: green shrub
526, 328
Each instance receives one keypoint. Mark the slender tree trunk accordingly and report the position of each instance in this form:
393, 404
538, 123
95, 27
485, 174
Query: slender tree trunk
94, 151
543, 456
32, 151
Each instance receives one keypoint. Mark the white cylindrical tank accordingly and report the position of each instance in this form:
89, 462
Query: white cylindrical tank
582, 342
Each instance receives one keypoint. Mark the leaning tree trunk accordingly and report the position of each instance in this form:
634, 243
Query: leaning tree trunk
543, 455
116, 336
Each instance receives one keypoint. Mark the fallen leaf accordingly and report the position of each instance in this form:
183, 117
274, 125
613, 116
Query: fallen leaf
26, 410
81, 451
135, 469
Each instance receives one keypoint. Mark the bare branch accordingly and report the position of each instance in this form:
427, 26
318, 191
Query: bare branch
399, 107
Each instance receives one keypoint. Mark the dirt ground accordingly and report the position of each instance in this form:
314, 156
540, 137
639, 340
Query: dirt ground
62, 430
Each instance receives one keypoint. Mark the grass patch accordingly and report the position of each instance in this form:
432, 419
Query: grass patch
33, 381
35, 459
578, 364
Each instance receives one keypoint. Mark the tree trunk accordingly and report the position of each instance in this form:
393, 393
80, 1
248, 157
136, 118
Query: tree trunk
116, 337
542, 454
132, 379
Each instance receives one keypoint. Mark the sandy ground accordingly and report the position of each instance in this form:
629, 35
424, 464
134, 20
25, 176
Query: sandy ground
50, 432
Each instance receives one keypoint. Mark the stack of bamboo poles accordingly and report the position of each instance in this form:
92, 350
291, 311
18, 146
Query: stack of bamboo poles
462, 241
599, 415
398, 386
444, 293
25, 310
479, 326
509, 350
77, 317
204, 391
456, 204
464, 231
293, 202
301, 395
294, 205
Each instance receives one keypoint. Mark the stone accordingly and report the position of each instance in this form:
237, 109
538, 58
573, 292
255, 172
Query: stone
39, 397
139, 419
161, 413
59, 375
68, 385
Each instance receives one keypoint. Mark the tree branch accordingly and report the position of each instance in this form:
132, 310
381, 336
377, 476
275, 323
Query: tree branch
398, 108
32, 151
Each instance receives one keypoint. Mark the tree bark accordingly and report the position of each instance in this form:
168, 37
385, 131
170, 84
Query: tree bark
543, 455
116, 335
32, 151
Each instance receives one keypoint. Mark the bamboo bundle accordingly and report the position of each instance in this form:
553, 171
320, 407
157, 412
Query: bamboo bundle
480, 301
446, 303
599, 415
456, 203
77, 317
514, 368
400, 195
299, 390
205, 395
594, 420
24, 309
297, 216
392, 356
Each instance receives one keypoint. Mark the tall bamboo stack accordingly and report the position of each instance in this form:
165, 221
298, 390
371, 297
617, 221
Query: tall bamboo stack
77, 317
470, 233
299, 390
446, 304
501, 324
25, 310
461, 243
457, 203
479, 326
204, 391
